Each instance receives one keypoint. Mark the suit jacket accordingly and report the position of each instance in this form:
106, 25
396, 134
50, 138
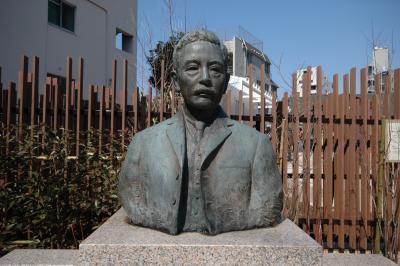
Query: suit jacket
240, 181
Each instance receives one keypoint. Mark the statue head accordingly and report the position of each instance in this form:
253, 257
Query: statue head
200, 70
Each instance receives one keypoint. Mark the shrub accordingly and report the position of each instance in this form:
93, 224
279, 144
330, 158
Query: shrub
54, 200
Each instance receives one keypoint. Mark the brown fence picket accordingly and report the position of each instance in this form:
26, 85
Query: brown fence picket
79, 91
35, 90
262, 99
307, 149
317, 156
376, 138
113, 93
273, 124
161, 103
251, 104
123, 101
340, 196
284, 149
91, 108
365, 165
295, 160
149, 106
328, 173
56, 104
11, 115
336, 128
67, 96
4, 96
45, 105
347, 159
352, 178
22, 84
101, 118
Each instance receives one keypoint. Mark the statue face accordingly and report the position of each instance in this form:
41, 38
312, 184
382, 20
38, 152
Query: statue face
201, 75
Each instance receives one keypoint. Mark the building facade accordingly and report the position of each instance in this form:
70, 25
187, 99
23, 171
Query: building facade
241, 54
97, 30
379, 65
300, 75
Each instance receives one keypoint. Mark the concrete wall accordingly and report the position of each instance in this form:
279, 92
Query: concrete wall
239, 59
25, 31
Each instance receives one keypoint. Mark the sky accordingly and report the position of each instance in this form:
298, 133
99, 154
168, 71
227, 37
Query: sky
336, 34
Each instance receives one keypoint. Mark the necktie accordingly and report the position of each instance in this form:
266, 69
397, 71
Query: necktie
199, 131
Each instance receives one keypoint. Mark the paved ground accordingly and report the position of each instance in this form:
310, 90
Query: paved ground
69, 257
339, 259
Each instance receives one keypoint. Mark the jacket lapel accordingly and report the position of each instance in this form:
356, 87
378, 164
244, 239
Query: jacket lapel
218, 133
176, 136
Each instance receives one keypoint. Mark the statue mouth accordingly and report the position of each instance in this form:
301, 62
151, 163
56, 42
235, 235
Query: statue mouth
206, 93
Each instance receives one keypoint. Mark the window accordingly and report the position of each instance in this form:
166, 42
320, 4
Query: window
230, 63
61, 14
123, 41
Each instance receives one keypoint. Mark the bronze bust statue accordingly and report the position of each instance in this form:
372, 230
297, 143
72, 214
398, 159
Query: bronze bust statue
200, 171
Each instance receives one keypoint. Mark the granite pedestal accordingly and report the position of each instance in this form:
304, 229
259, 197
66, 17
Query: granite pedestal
117, 242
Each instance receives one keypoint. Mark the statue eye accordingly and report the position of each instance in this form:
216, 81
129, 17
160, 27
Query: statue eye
191, 67
216, 69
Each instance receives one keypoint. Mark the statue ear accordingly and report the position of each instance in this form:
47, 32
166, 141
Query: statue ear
175, 80
227, 77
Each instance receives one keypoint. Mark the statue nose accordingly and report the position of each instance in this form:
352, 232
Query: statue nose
205, 76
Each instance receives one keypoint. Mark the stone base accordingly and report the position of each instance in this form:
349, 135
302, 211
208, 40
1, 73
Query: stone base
118, 242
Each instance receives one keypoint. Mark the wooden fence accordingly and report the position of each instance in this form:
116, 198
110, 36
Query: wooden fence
328, 146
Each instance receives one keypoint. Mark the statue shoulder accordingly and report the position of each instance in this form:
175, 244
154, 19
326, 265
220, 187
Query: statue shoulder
153, 130
244, 130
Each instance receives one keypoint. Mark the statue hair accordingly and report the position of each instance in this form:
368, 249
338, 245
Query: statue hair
199, 35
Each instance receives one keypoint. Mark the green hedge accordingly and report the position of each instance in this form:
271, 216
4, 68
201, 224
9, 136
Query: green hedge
54, 202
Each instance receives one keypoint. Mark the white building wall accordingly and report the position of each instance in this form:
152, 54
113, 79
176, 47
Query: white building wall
237, 84
243, 55
239, 59
25, 30
381, 59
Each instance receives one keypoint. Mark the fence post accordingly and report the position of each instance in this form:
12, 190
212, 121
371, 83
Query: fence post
251, 105
79, 104
262, 105
273, 126
162, 92
113, 93
123, 100
149, 106
379, 192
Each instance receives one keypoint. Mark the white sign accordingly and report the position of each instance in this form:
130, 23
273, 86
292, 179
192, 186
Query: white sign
392, 140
